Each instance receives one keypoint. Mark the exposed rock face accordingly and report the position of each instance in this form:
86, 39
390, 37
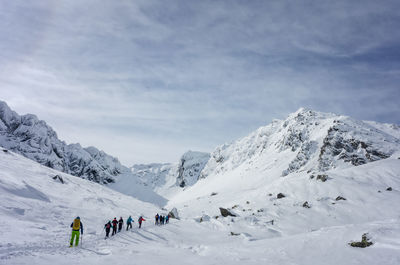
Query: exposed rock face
34, 139
352, 143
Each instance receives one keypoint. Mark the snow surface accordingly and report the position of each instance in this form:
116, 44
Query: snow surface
37, 210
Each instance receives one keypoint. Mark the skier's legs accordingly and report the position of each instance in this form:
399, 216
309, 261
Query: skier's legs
72, 238
75, 234
77, 238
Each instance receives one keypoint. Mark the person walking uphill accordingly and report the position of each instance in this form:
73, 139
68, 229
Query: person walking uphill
129, 223
107, 226
76, 225
114, 223
141, 219
120, 223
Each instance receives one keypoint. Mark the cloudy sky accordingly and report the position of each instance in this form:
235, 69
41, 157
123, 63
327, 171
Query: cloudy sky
147, 80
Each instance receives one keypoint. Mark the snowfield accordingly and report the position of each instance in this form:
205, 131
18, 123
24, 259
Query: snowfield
37, 210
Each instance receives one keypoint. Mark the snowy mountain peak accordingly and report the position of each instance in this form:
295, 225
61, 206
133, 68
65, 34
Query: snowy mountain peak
308, 141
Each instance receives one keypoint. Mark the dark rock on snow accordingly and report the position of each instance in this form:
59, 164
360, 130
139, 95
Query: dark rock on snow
280, 196
174, 213
226, 212
363, 243
59, 178
338, 198
322, 177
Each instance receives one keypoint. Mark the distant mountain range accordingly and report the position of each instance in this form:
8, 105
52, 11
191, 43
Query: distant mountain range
307, 141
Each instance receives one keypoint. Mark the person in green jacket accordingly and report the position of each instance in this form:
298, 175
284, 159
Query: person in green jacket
76, 225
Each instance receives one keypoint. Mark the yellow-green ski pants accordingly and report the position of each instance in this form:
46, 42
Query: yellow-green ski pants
75, 234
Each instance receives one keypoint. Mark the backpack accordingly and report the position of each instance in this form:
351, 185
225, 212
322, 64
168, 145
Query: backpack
77, 224
108, 225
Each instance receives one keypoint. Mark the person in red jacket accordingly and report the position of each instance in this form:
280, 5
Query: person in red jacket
141, 219
114, 223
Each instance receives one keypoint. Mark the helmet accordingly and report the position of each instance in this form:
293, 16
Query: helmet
78, 217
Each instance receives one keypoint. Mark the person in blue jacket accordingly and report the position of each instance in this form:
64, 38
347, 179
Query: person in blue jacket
129, 223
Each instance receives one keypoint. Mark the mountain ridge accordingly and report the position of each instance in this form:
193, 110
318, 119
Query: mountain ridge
35, 139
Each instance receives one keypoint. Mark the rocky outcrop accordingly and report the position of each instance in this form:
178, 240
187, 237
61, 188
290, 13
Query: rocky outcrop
355, 143
363, 243
174, 213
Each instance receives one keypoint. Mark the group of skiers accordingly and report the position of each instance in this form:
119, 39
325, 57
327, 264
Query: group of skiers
161, 220
114, 224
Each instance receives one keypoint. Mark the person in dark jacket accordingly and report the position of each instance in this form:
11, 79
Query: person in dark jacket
167, 219
157, 216
120, 223
76, 225
114, 226
107, 227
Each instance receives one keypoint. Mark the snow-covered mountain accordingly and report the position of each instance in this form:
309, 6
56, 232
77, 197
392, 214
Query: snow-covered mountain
34, 139
308, 141
309, 159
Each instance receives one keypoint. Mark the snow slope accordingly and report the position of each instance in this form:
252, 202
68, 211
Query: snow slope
37, 210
